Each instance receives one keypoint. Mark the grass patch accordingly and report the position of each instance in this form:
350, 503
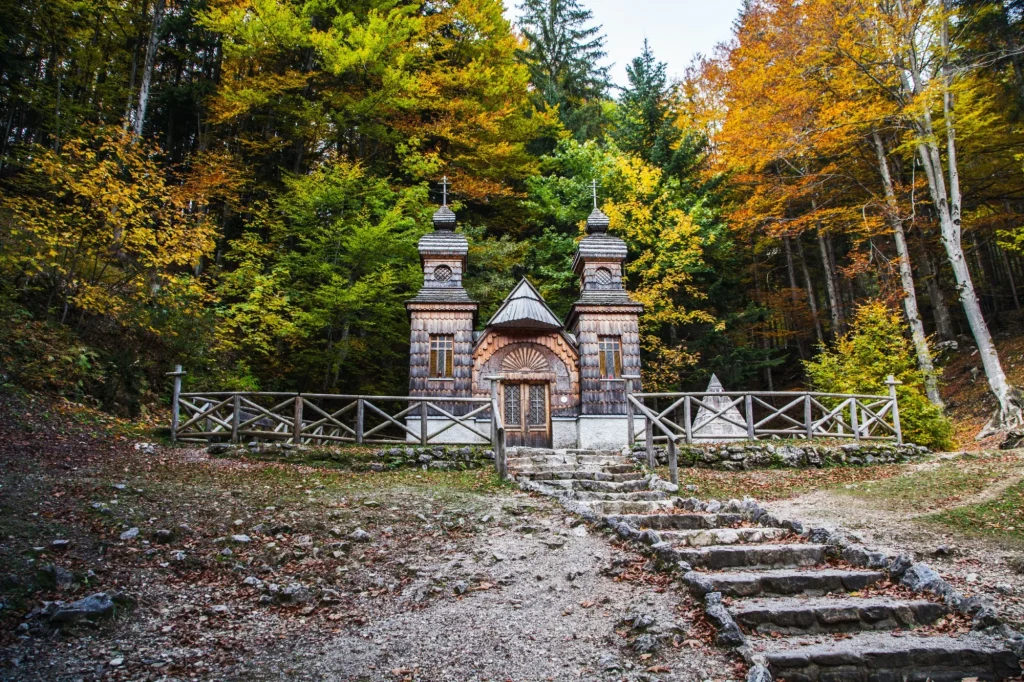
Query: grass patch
1003, 516
938, 487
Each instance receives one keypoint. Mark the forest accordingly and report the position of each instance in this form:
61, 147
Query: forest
238, 186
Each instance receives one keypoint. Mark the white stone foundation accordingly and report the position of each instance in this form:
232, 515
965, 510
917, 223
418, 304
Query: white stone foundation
458, 434
605, 431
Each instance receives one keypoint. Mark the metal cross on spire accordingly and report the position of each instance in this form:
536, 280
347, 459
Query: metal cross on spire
444, 190
593, 188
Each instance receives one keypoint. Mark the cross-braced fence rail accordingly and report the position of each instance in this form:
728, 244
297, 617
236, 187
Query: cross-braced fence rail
742, 415
325, 419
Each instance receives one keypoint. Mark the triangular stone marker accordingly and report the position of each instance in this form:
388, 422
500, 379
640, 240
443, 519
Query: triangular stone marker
710, 429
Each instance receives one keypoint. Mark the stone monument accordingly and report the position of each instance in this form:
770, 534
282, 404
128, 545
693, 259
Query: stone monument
708, 428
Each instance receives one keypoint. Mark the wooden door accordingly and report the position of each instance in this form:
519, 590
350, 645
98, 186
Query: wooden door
527, 412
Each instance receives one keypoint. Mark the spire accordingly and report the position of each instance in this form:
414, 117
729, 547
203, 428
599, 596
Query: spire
444, 217
597, 221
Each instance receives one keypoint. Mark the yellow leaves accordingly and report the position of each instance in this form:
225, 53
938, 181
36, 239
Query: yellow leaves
99, 225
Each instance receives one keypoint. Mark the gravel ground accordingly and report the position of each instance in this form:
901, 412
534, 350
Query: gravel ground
554, 617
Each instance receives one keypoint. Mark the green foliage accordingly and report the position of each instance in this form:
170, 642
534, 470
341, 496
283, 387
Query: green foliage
563, 57
859, 362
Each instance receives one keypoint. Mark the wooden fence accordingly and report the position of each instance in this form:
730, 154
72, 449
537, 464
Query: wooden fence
323, 419
757, 415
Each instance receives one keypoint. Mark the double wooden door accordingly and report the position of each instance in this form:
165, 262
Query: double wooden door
526, 410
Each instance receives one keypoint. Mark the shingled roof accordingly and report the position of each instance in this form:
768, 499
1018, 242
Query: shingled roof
525, 309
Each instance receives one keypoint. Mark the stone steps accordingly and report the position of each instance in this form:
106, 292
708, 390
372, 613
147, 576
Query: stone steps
626, 506
679, 521
784, 582
635, 484
796, 615
717, 557
632, 496
721, 536
881, 656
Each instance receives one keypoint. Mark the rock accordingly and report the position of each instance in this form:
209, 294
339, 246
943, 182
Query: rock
116, 662
942, 550
899, 566
241, 539
645, 644
1004, 588
178, 555
728, 633
60, 545
609, 662
360, 535
713, 506
759, 673
146, 448
1013, 440
52, 575
94, 607
295, 593
971, 577
226, 552
460, 587
920, 577
130, 534
163, 536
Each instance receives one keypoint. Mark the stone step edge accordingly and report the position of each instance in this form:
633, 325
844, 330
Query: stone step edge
827, 614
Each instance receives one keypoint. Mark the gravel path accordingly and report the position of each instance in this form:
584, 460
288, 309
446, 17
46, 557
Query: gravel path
552, 616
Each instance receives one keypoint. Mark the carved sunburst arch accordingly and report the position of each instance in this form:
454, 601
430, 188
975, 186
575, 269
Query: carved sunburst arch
525, 360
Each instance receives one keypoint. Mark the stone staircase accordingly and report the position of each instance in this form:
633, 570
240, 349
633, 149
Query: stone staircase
799, 605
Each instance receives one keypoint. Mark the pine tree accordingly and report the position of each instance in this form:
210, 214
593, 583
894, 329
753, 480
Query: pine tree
563, 59
645, 127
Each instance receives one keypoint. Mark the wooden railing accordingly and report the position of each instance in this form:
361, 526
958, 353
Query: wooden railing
324, 418
757, 415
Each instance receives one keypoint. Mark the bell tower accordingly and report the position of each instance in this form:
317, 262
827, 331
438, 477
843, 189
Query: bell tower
442, 315
604, 320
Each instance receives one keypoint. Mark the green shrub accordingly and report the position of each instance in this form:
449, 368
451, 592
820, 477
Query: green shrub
860, 362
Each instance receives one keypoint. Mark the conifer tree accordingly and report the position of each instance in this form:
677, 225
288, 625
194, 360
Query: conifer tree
645, 126
563, 58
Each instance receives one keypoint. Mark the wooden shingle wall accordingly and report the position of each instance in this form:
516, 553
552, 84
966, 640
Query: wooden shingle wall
600, 396
459, 324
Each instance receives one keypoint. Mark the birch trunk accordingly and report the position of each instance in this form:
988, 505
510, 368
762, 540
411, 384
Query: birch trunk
924, 355
947, 203
835, 304
793, 288
147, 69
812, 300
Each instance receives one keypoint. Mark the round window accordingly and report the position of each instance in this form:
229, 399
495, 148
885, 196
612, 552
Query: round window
603, 276
442, 273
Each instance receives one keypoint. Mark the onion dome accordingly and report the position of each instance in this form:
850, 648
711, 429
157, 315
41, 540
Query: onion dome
444, 219
597, 222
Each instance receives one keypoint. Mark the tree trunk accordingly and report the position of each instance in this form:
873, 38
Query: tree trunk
937, 297
924, 355
1009, 276
793, 288
835, 304
812, 300
147, 70
947, 203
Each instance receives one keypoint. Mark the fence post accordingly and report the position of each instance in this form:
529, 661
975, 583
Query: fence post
424, 426
175, 402
748, 401
360, 412
853, 419
673, 460
630, 430
808, 424
236, 417
892, 384
687, 421
649, 442
297, 421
